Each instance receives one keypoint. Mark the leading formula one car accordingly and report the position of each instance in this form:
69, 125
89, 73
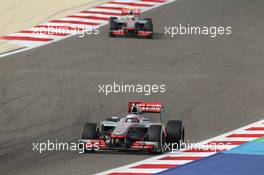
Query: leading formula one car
133, 132
129, 25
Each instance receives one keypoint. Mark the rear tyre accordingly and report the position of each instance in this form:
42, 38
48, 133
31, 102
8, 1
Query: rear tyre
175, 132
155, 134
112, 25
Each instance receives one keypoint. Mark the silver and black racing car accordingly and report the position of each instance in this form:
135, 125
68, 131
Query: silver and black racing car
130, 25
134, 131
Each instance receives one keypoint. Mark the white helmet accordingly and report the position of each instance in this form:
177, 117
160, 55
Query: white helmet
132, 118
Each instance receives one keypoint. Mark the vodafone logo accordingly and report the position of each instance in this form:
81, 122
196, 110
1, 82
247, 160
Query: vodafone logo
150, 107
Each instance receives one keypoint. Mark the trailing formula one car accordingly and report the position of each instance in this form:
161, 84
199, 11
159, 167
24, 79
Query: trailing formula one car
129, 25
133, 132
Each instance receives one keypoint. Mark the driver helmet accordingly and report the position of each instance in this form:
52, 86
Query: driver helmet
132, 118
131, 15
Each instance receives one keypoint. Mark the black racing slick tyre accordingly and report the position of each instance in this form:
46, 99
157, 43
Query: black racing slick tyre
89, 131
175, 132
155, 135
149, 26
112, 25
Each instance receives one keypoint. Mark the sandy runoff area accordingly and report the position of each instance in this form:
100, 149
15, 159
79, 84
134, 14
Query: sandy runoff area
17, 15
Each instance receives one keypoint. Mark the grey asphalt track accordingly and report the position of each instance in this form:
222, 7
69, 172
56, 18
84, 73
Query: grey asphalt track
213, 84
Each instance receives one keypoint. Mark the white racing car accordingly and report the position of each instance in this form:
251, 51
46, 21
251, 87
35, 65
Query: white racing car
130, 25
133, 132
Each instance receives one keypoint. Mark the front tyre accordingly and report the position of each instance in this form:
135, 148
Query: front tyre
175, 132
112, 25
155, 134
149, 26
89, 133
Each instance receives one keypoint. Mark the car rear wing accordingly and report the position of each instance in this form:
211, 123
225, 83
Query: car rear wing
127, 11
147, 107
